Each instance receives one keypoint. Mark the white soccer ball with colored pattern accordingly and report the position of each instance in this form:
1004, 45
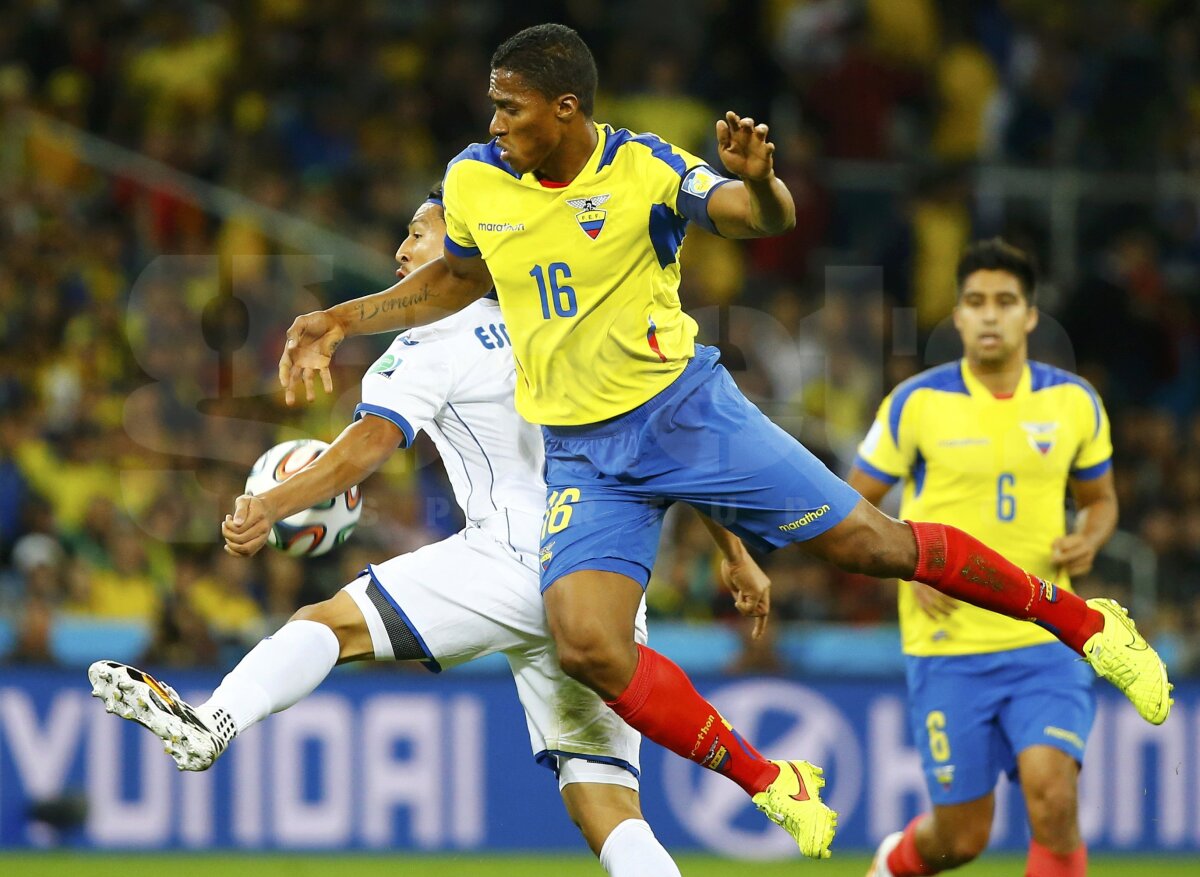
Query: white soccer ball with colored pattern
313, 531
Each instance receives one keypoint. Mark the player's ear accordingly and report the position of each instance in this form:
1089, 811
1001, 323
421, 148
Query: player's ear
567, 107
1031, 320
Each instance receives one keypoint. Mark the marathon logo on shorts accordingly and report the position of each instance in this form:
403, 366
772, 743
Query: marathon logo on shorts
807, 519
1064, 735
547, 553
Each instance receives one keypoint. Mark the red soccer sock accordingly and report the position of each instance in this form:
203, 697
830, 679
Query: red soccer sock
663, 705
964, 568
904, 860
1046, 863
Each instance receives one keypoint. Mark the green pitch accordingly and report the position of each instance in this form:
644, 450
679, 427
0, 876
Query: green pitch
319, 865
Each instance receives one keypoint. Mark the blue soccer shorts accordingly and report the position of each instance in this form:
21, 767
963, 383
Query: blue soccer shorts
699, 441
971, 715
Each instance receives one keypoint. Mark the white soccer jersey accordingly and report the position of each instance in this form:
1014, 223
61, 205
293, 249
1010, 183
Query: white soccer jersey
476, 593
455, 380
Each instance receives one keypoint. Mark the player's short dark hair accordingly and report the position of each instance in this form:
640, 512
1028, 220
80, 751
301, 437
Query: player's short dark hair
553, 60
437, 195
996, 254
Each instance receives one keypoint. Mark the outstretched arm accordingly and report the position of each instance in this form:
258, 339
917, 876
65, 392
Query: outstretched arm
750, 586
356, 453
760, 205
433, 291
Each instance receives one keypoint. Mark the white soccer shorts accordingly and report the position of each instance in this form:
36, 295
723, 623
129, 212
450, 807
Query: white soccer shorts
469, 596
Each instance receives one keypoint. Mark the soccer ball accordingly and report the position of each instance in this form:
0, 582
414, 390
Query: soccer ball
318, 529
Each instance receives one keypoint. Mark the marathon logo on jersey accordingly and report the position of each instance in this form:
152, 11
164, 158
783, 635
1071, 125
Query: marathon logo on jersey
700, 181
590, 217
806, 519
501, 226
1041, 436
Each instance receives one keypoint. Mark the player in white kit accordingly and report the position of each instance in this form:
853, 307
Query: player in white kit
467, 596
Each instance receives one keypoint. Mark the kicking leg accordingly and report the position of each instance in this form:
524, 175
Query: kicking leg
591, 615
959, 565
275, 674
288, 665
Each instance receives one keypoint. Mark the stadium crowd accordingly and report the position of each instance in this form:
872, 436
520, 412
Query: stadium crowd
135, 393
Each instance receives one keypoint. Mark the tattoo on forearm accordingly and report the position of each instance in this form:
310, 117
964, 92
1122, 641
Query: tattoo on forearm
371, 308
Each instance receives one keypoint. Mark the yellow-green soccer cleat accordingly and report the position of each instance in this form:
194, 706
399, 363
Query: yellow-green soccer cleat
793, 802
1122, 656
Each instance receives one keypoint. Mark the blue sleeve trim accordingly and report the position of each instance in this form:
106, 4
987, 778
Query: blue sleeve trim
364, 408
1092, 472
459, 250
549, 758
877, 474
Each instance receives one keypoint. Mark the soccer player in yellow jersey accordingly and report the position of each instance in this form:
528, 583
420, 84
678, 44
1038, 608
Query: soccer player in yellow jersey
579, 227
991, 444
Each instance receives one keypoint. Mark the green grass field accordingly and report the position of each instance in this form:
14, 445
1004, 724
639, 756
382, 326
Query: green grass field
319, 865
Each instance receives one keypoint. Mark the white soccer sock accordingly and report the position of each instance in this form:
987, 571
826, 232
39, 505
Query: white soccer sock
632, 850
275, 674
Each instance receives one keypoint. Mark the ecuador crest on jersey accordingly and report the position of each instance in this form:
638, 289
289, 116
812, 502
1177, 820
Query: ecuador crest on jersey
1041, 436
590, 217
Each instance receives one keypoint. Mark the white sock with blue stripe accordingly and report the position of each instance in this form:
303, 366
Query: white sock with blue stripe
632, 850
276, 673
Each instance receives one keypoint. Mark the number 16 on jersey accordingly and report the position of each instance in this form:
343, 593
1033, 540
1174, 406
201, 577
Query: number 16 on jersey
552, 291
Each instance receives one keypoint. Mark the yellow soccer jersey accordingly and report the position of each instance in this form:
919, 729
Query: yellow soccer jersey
996, 468
587, 273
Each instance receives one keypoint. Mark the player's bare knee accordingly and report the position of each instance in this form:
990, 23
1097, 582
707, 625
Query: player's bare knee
1052, 810
968, 845
597, 661
961, 840
326, 613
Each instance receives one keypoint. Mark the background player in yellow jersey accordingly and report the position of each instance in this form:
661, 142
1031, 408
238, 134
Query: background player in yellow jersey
990, 444
579, 227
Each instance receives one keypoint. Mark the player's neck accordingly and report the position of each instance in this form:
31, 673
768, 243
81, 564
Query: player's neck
999, 378
564, 164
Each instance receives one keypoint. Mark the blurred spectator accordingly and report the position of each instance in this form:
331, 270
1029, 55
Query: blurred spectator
139, 330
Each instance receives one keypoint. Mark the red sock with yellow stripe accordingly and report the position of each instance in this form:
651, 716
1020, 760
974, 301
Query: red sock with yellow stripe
961, 566
661, 702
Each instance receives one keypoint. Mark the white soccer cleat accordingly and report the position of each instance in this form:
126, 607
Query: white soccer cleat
879, 866
132, 694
